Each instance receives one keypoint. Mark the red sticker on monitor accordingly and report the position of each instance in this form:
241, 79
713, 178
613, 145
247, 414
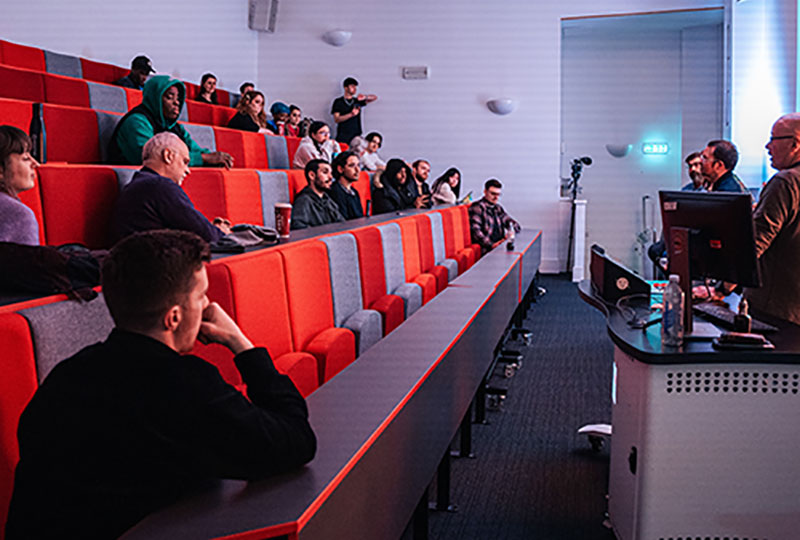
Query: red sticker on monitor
715, 244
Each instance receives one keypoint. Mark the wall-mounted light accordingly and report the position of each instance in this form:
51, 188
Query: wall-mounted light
501, 105
619, 150
655, 148
337, 37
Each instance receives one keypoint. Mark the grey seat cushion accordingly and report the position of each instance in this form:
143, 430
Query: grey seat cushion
392, 256
366, 325
63, 64
411, 293
62, 329
124, 176
202, 135
105, 97
274, 189
106, 124
277, 152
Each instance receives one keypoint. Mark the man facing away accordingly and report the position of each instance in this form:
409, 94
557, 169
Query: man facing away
313, 206
488, 221
717, 161
154, 199
346, 110
422, 169
162, 101
346, 168
129, 425
141, 68
776, 222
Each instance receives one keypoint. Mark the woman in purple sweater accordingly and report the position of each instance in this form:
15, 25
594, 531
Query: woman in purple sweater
17, 174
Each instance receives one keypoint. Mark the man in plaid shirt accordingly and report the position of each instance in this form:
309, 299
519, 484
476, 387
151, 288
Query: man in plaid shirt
488, 222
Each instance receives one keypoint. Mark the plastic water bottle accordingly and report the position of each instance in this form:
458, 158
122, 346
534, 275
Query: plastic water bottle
672, 320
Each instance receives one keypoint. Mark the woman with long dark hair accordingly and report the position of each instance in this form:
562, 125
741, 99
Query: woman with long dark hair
447, 188
391, 190
317, 145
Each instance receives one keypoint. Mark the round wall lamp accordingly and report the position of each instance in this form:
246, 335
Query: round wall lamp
619, 150
501, 105
337, 37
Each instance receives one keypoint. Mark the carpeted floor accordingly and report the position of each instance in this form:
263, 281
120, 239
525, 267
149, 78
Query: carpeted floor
534, 477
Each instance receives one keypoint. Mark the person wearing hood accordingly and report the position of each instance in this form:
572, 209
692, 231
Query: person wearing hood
280, 114
162, 100
317, 145
391, 189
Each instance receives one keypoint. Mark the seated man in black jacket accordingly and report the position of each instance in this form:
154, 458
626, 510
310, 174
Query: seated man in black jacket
128, 426
153, 199
346, 168
313, 206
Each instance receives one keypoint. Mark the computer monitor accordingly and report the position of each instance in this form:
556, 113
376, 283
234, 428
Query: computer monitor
709, 235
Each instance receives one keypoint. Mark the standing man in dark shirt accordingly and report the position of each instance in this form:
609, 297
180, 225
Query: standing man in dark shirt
141, 68
153, 199
346, 111
422, 169
130, 425
488, 221
313, 206
346, 168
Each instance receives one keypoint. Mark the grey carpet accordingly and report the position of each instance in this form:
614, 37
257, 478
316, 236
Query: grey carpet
534, 477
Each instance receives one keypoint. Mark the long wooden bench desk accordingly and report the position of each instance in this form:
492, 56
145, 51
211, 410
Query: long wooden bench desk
383, 424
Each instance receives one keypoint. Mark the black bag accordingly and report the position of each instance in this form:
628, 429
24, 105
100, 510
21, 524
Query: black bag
244, 236
72, 269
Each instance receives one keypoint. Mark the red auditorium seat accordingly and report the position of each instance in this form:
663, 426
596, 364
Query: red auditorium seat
411, 260
200, 113
255, 151
66, 90
191, 90
21, 84
33, 199
308, 285
134, 97
223, 98
17, 386
259, 304
72, 134
373, 279
364, 192
427, 258
222, 115
463, 211
450, 250
230, 141
13, 54
17, 113
101, 72
291, 146
297, 181
232, 194
458, 229
77, 202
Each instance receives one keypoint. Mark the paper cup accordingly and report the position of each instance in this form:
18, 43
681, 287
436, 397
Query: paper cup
283, 219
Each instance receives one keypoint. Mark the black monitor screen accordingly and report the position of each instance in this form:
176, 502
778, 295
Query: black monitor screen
721, 244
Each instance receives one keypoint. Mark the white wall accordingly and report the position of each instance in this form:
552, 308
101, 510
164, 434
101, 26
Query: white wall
475, 50
183, 38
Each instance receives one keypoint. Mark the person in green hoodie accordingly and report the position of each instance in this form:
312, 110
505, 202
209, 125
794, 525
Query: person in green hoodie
162, 100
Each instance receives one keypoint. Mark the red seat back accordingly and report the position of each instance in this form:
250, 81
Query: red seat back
133, 96
200, 113
308, 285
22, 56
72, 134
21, 84
291, 146
77, 203
362, 186
222, 115
411, 259
230, 141
297, 181
449, 232
427, 258
370, 261
101, 72
66, 90
17, 386
255, 151
17, 113
232, 194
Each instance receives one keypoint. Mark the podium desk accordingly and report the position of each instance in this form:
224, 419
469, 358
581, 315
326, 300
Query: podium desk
704, 443
383, 425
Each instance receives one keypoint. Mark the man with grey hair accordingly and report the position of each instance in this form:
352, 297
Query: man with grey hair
776, 221
153, 199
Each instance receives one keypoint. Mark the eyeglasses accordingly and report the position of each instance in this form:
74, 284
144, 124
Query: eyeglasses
771, 139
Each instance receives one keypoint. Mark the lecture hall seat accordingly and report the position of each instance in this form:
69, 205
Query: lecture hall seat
62, 125
13, 54
101, 72
439, 251
463, 211
412, 263
16, 112
394, 266
17, 386
234, 194
22, 84
373, 279
308, 287
64, 90
427, 260
450, 241
462, 249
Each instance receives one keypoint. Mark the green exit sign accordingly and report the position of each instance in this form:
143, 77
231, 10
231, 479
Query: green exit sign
655, 148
